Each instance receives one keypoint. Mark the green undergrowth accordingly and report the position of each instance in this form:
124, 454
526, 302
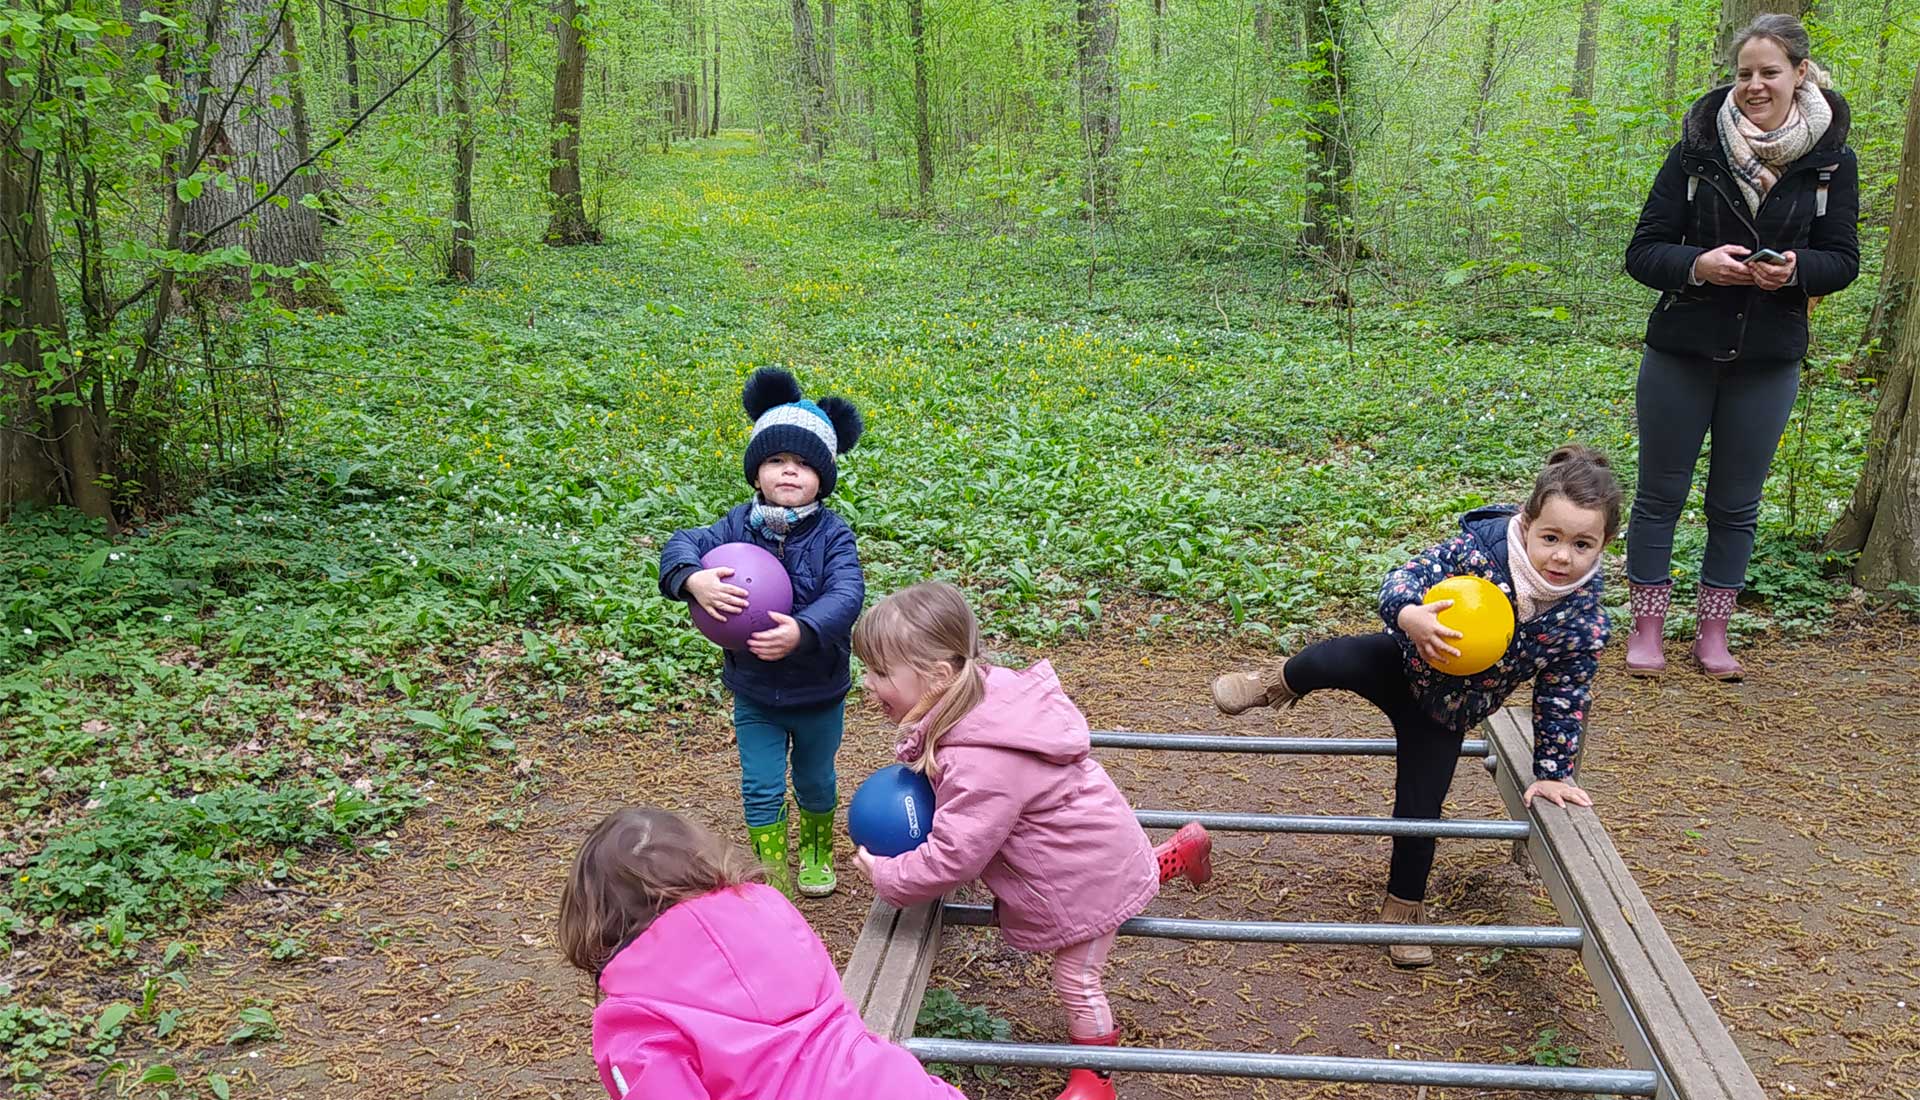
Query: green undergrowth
477, 482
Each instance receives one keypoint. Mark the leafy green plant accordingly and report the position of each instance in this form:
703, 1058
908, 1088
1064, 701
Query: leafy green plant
1904, 596
107, 1029
31, 1036
254, 1022
281, 945
1548, 1050
460, 729
944, 1015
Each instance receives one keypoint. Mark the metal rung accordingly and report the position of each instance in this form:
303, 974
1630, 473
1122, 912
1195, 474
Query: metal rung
1295, 746
1291, 1067
1482, 829
1375, 935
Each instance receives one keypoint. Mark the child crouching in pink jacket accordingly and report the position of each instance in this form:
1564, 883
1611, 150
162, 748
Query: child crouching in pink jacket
1018, 803
712, 985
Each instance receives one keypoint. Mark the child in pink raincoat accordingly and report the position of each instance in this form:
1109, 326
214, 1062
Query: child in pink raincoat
1018, 803
712, 985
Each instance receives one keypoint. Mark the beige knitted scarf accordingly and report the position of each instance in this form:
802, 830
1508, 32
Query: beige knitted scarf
1758, 156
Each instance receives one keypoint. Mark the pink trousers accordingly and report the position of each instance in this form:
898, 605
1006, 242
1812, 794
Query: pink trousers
1077, 970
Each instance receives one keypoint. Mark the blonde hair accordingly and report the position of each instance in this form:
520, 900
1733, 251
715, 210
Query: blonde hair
635, 865
930, 629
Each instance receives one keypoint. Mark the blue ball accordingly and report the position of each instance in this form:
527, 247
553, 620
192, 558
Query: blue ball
892, 812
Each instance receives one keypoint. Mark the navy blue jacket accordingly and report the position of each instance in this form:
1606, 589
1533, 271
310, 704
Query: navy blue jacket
828, 592
1558, 650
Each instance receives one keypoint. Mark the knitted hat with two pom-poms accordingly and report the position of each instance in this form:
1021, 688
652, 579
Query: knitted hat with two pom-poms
785, 422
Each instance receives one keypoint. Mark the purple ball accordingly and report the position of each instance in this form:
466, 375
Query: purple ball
768, 590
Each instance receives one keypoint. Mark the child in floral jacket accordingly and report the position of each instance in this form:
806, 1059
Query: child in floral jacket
1545, 556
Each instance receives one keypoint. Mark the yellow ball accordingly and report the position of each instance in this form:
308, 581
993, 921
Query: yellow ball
1480, 612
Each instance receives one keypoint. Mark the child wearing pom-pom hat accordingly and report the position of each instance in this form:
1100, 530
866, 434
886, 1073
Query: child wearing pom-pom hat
790, 684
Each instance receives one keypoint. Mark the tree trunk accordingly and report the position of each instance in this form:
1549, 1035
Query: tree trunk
703, 79
460, 259
1157, 45
922, 131
50, 439
1329, 205
829, 80
1670, 78
1734, 17
259, 137
347, 32
1883, 519
863, 45
1098, 26
1489, 76
1585, 60
813, 122
1880, 52
503, 53
569, 225
29, 309
666, 116
713, 117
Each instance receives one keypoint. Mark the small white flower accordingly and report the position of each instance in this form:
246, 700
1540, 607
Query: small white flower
166, 618
113, 557
27, 630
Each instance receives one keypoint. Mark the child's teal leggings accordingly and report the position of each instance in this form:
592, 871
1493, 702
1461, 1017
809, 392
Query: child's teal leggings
768, 736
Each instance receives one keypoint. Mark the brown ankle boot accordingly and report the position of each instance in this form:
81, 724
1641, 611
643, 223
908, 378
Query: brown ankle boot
1395, 911
1238, 692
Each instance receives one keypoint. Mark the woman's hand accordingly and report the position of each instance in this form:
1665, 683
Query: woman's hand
1555, 791
709, 589
1422, 624
1725, 266
1768, 276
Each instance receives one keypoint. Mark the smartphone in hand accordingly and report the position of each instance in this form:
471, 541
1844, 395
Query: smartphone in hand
1765, 256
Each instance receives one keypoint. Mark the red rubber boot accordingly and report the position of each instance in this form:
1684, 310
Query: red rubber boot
1091, 1084
1189, 853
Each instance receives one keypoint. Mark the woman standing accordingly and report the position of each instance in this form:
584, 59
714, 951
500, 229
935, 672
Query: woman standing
1751, 219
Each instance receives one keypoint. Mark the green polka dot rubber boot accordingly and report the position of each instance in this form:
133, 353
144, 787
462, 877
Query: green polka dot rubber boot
770, 848
816, 854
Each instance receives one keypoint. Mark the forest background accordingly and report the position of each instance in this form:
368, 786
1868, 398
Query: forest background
343, 340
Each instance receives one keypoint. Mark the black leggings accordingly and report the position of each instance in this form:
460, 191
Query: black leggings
1369, 665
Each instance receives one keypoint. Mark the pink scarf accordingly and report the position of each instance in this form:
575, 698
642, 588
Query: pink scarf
1532, 595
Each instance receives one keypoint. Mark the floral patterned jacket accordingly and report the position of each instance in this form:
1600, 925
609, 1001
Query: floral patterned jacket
1559, 649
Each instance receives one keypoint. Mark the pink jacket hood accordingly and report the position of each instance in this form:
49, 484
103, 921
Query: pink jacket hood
1019, 803
731, 996
1026, 711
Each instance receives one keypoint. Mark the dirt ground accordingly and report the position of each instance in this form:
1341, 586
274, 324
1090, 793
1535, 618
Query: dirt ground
1767, 822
